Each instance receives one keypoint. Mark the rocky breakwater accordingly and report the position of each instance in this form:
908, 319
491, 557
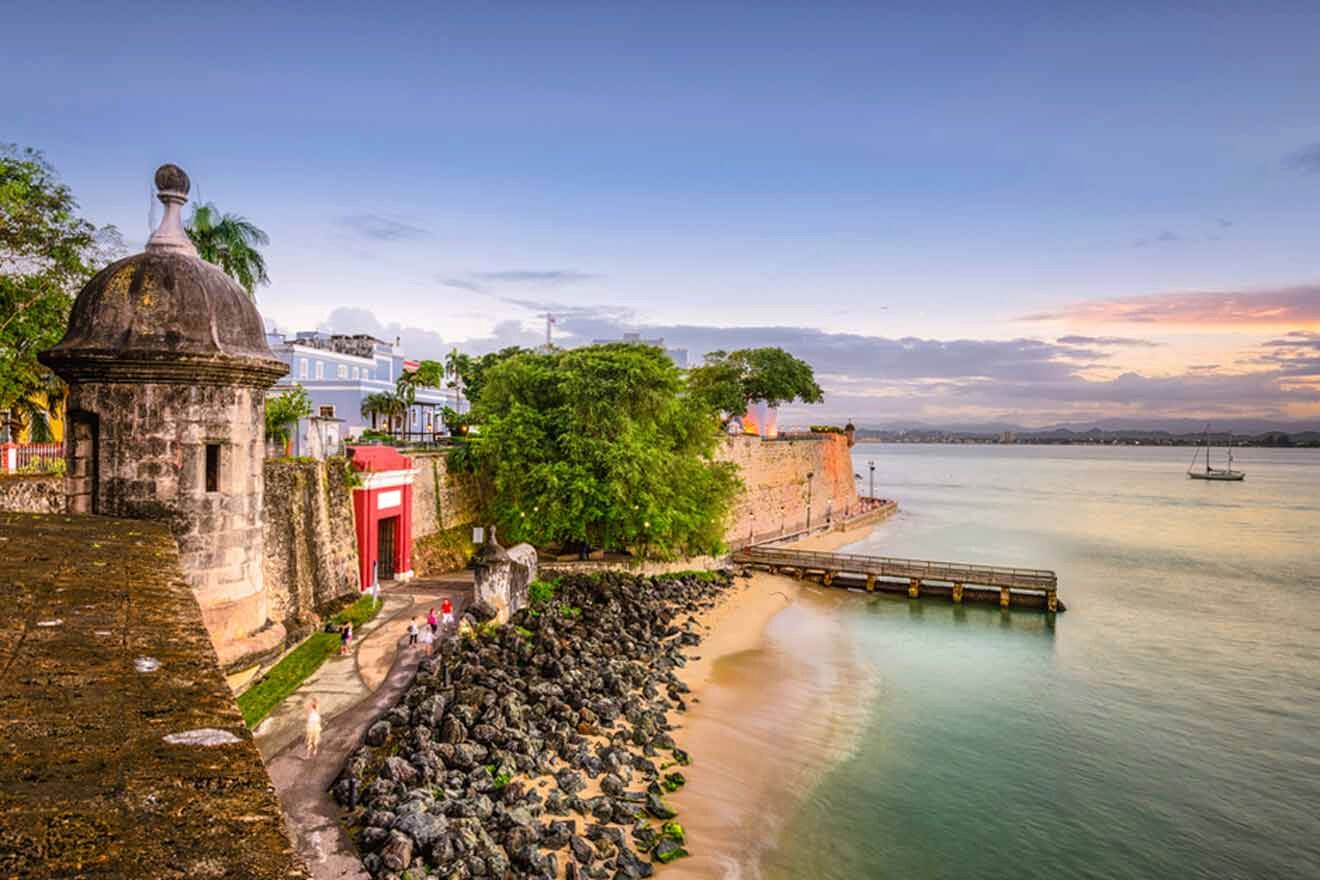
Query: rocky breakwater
542, 748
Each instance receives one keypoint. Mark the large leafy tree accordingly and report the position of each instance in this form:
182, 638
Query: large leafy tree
47, 253
468, 373
601, 445
230, 242
727, 381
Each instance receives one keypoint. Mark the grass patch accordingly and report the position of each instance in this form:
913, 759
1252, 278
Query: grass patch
283, 679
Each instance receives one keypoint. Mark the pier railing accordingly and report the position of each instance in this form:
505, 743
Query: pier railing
953, 577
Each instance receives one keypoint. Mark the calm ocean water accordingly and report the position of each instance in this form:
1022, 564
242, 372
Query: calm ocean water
1166, 726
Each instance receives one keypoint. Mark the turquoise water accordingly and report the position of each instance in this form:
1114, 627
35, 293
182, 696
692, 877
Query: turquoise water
1166, 726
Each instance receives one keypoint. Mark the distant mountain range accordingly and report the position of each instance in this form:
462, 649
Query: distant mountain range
1246, 427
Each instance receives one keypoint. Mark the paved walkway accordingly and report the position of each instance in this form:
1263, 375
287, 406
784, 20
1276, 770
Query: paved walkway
352, 692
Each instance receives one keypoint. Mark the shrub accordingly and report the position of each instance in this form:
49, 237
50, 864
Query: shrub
541, 592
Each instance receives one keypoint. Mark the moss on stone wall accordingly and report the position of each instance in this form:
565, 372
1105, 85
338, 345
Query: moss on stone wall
439, 552
124, 753
311, 563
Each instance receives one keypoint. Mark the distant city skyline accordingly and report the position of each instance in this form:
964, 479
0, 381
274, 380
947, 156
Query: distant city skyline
1038, 214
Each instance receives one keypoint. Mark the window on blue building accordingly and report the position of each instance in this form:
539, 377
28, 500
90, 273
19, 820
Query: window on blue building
320, 369
302, 368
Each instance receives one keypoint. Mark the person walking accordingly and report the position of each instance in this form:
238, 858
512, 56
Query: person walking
431, 620
312, 732
346, 638
412, 631
428, 641
447, 611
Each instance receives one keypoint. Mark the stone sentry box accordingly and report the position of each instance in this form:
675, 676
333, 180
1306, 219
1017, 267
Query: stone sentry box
168, 365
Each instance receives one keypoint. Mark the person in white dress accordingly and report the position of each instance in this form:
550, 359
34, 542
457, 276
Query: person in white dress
312, 735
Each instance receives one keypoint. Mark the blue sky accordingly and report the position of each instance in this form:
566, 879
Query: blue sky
880, 177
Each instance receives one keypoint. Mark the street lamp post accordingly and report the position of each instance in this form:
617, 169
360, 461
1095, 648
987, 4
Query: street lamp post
810, 475
872, 464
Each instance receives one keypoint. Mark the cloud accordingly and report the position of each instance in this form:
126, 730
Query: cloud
1307, 159
567, 314
379, 228
1296, 355
544, 277
875, 379
1164, 237
459, 283
1106, 341
1274, 307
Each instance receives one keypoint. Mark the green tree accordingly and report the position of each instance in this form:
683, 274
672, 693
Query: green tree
47, 253
728, 381
283, 412
468, 373
385, 405
602, 445
230, 242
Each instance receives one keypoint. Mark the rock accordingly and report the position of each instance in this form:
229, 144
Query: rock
397, 853
399, 770
582, 850
482, 611
611, 784
667, 850
378, 733
452, 730
630, 866
658, 808
570, 782
423, 828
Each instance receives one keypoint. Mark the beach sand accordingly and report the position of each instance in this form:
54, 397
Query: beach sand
778, 697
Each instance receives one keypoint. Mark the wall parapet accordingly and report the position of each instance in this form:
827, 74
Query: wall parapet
148, 771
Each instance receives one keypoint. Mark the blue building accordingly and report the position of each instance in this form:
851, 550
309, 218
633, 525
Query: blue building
338, 371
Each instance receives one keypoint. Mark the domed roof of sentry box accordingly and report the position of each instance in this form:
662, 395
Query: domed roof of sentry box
165, 315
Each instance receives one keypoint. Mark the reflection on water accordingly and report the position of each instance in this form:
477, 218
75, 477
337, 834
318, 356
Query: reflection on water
1168, 725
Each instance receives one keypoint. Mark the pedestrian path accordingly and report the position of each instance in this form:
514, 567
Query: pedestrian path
351, 693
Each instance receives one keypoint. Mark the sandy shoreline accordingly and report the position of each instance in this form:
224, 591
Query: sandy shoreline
777, 697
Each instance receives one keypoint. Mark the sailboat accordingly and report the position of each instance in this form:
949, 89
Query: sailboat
1212, 473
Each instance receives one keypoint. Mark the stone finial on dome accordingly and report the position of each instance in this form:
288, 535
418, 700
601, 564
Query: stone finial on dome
172, 187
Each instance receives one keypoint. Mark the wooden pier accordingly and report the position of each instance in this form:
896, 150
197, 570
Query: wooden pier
1010, 587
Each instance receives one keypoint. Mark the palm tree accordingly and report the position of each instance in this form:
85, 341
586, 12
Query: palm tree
230, 242
36, 408
384, 404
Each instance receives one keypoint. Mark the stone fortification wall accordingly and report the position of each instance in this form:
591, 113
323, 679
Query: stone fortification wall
124, 754
26, 493
440, 500
311, 557
775, 483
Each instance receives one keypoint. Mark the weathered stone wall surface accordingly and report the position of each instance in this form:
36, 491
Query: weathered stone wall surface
638, 567
502, 577
30, 493
124, 754
150, 463
311, 552
440, 500
775, 494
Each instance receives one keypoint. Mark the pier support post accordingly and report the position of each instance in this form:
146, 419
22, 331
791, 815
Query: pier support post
870, 583
827, 578
1052, 602
1003, 597
914, 588
957, 594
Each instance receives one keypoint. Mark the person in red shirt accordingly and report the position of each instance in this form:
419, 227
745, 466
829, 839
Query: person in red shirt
447, 611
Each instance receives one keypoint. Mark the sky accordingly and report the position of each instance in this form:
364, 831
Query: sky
957, 212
